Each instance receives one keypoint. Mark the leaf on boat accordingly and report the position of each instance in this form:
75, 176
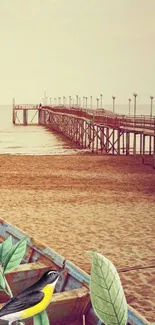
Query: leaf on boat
106, 291
4, 248
15, 255
41, 319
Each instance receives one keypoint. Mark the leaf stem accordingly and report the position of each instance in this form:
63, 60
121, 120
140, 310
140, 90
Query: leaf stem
8, 288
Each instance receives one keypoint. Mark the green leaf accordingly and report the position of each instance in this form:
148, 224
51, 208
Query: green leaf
4, 248
2, 282
15, 255
107, 295
41, 319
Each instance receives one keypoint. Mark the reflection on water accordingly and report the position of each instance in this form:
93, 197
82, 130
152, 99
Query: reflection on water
31, 140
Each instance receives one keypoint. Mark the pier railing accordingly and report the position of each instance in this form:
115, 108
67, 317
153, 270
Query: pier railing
142, 122
26, 106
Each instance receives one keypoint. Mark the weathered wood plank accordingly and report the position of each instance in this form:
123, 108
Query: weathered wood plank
68, 306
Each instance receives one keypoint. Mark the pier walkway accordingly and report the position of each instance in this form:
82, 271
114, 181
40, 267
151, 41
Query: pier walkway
98, 131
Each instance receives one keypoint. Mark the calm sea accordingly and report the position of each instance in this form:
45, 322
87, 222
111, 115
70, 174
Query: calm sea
28, 140
37, 140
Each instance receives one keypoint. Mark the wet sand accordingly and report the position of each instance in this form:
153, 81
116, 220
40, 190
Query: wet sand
78, 203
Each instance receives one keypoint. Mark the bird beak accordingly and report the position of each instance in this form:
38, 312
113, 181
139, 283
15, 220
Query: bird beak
62, 275
63, 272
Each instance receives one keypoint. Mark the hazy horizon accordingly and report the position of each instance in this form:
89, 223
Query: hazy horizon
77, 47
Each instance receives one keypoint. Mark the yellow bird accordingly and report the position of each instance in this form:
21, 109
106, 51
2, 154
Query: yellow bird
32, 300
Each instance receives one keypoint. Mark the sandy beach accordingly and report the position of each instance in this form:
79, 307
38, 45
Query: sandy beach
78, 203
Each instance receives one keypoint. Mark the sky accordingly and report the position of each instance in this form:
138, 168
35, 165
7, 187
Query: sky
84, 47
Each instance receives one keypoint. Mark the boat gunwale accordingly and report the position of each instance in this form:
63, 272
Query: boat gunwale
48, 252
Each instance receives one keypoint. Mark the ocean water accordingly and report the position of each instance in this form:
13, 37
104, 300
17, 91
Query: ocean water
37, 140
28, 140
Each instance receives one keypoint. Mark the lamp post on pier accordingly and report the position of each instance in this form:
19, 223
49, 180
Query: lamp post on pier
101, 100
97, 99
70, 99
45, 98
151, 108
55, 101
50, 101
91, 102
59, 101
113, 105
129, 106
135, 108
83, 101
86, 102
77, 100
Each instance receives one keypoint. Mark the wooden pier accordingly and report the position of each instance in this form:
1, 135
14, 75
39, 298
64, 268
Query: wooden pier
97, 131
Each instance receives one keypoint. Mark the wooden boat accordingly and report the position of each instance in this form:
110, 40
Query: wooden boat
71, 303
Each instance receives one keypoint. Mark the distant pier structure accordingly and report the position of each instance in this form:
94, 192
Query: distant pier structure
25, 114
96, 130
